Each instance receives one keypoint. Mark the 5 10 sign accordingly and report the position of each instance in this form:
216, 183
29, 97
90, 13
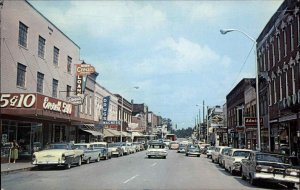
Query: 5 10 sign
17, 100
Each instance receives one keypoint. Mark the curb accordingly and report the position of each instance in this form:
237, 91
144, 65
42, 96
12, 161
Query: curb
16, 170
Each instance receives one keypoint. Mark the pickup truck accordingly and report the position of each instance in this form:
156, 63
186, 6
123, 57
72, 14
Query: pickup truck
267, 167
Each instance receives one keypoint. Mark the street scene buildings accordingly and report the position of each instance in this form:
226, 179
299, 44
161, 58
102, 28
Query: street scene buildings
50, 94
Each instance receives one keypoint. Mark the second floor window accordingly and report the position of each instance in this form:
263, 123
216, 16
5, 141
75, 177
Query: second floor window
23, 30
69, 64
40, 82
21, 73
68, 91
55, 55
41, 48
54, 88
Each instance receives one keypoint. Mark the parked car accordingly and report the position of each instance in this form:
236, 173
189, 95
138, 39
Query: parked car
89, 153
221, 156
157, 150
125, 148
106, 152
193, 149
203, 146
267, 167
138, 146
209, 150
58, 154
116, 149
232, 160
216, 152
131, 148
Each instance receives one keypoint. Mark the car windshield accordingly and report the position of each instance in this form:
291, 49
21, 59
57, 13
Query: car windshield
271, 158
57, 146
241, 153
99, 146
113, 145
211, 148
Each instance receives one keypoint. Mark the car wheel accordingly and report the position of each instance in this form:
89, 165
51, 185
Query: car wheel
98, 158
40, 167
187, 154
87, 161
212, 160
165, 157
198, 155
232, 171
79, 161
68, 166
149, 156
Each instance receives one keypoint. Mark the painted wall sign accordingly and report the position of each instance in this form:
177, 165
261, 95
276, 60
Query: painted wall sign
76, 100
252, 121
57, 106
17, 100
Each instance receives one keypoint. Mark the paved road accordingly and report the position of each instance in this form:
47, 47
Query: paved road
132, 172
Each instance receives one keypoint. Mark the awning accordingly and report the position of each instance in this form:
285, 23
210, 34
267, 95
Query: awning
125, 134
111, 133
137, 134
95, 133
90, 128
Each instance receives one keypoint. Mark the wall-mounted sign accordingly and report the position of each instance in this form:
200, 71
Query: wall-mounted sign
105, 108
37, 101
79, 84
84, 69
76, 100
111, 122
17, 100
252, 121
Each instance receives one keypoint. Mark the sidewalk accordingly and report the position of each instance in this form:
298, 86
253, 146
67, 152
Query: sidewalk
14, 167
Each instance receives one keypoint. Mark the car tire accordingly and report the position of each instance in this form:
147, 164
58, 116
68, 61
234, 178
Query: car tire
232, 172
68, 166
98, 158
149, 156
198, 155
40, 167
187, 154
87, 161
165, 157
290, 185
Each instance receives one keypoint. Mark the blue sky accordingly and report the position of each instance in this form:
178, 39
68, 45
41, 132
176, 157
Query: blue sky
172, 50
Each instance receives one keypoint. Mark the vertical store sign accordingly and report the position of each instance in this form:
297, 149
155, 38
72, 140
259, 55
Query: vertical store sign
82, 71
105, 107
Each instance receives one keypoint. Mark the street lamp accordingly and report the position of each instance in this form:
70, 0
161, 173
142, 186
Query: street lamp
225, 31
122, 114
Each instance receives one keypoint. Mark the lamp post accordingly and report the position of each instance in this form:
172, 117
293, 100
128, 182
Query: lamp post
225, 31
122, 114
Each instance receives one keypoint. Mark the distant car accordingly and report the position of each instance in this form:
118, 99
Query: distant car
203, 146
181, 148
106, 152
116, 149
267, 167
232, 160
209, 150
193, 149
216, 152
89, 153
174, 145
58, 154
221, 156
157, 150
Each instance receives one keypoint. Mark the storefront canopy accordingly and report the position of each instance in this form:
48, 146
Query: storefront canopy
137, 134
95, 133
111, 133
90, 128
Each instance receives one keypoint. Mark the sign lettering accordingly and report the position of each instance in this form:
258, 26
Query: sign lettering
17, 100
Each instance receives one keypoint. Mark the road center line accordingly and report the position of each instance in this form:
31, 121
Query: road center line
153, 164
130, 179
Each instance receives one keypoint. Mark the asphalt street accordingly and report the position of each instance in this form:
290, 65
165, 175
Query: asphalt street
134, 171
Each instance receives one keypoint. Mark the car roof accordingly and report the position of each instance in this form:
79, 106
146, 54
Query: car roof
239, 149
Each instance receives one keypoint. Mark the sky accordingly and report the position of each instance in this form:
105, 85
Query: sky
172, 50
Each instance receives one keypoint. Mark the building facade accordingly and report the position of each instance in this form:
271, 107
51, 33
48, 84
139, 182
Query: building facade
278, 48
37, 76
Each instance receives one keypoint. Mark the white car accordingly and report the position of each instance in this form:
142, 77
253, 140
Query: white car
216, 152
89, 153
233, 159
157, 150
209, 151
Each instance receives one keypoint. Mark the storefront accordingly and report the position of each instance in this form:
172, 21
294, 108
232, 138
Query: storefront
34, 120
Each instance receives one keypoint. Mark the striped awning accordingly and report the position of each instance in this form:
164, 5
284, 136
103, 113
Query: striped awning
94, 133
111, 133
90, 128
